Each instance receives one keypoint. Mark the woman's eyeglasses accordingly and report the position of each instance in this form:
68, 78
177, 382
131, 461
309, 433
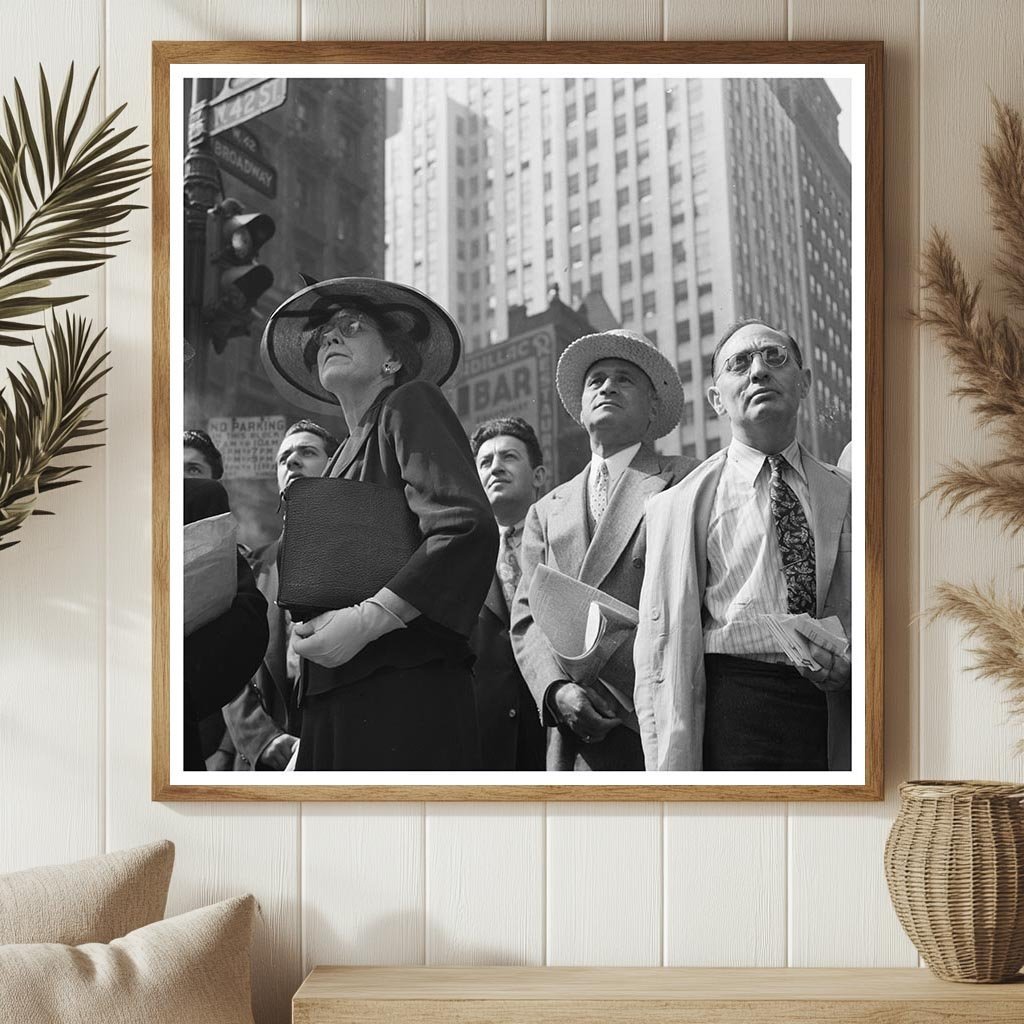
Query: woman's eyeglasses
348, 324
773, 356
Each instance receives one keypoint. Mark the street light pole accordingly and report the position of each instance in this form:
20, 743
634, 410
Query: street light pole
202, 191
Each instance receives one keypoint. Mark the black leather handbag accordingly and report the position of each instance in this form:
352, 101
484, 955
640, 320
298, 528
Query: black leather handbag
343, 540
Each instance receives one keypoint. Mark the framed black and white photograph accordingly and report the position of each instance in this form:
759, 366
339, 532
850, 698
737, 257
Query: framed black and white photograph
530, 398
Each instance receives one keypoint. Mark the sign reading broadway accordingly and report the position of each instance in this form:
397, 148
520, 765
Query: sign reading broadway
243, 165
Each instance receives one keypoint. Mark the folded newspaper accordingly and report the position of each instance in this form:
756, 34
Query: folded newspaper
590, 633
793, 632
210, 569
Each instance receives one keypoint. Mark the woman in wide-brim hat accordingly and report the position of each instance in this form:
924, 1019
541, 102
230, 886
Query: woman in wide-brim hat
387, 683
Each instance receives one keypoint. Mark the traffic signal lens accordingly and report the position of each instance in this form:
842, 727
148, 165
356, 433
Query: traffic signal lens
242, 247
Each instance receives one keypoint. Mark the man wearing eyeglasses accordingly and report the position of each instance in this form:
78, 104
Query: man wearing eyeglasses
761, 529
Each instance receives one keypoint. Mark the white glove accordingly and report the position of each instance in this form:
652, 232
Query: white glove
335, 637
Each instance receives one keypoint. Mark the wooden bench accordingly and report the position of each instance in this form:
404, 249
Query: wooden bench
647, 995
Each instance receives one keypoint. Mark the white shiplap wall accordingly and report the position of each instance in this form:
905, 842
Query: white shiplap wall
641, 883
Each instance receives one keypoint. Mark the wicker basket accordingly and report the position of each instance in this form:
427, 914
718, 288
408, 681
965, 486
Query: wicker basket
954, 861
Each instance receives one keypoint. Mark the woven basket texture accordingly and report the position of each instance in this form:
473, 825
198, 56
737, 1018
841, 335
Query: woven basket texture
954, 862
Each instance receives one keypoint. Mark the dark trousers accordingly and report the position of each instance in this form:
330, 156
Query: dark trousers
762, 717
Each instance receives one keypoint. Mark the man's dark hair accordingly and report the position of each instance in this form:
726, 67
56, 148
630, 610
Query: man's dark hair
509, 426
738, 324
309, 427
201, 441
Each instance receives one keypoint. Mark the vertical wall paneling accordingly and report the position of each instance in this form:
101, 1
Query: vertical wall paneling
726, 19
604, 892
725, 862
384, 19
967, 48
51, 584
853, 923
362, 872
604, 19
485, 884
222, 849
362, 884
470, 19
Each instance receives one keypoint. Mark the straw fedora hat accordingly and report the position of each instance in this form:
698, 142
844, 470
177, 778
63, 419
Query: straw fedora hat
634, 348
397, 307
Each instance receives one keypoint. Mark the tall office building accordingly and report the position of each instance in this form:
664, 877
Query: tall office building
687, 203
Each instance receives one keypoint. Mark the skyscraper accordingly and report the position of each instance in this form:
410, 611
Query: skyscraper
687, 203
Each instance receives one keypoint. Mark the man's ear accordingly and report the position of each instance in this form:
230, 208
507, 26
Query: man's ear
715, 399
540, 474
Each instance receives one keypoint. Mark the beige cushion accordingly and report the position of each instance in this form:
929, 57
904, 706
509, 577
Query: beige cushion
92, 900
190, 968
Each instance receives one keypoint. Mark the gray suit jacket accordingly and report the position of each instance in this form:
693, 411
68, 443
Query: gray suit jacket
557, 534
669, 651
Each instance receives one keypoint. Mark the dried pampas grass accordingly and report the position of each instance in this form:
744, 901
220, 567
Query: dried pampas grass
987, 355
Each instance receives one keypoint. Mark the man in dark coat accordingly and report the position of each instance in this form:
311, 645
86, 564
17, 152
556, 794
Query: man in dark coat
511, 467
263, 721
220, 657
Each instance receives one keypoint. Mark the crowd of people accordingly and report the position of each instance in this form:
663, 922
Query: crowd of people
446, 666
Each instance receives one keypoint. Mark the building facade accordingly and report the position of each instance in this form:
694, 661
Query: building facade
686, 203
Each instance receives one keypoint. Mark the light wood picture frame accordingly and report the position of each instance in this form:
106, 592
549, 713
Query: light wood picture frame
832, 246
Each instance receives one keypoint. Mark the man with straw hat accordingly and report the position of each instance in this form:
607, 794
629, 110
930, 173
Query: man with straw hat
625, 394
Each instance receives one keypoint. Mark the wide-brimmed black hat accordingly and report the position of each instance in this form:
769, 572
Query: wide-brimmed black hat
396, 307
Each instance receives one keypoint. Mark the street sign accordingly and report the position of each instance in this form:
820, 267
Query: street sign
236, 106
243, 165
245, 139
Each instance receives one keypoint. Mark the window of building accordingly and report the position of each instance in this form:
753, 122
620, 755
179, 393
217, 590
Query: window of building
643, 188
592, 139
622, 197
625, 272
685, 368
675, 174
576, 254
589, 103
707, 324
650, 304
594, 209
547, 181
549, 249
641, 115
647, 263
643, 150
574, 184
627, 311
625, 235
570, 113
646, 226
574, 217
683, 333
596, 282
572, 149
678, 252
621, 160
592, 173
460, 156
620, 125
595, 245
704, 289
618, 87
460, 126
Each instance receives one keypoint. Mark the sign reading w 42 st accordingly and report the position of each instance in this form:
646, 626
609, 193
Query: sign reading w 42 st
243, 101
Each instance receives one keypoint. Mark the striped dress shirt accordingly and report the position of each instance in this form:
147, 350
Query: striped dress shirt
745, 580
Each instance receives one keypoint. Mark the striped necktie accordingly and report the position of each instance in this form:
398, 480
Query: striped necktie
796, 542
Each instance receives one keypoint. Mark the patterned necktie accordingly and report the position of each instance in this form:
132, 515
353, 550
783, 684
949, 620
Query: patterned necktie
508, 565
599, 493
796, 542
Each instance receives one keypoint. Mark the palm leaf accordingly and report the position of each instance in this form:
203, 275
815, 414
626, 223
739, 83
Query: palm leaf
61, 189
46, 419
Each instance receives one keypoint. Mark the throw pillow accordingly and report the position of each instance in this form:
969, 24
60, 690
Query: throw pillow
92, 900
194, 967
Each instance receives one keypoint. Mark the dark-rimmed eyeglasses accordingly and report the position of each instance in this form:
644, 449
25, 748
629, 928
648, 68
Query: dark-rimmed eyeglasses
347, 324
773, 356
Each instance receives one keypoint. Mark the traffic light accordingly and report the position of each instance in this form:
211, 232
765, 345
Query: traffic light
233, 280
